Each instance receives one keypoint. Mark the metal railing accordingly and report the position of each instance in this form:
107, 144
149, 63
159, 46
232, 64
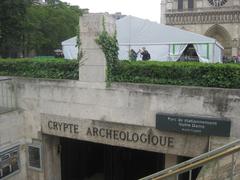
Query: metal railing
7, 95
215, 156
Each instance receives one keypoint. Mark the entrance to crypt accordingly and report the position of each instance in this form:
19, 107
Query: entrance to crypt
81, 160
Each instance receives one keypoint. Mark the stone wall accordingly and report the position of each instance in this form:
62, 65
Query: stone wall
227, 167
133, 104
123, 106
12, 133
132, 107
93, 58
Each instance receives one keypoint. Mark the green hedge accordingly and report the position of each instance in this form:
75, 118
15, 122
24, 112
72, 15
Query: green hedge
172, 73
40, 68
179, 73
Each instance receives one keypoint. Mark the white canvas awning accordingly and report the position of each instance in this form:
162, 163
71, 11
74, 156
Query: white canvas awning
165, 43
70, 49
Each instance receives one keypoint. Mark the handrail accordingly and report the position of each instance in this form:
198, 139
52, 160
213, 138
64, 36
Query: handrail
197, 161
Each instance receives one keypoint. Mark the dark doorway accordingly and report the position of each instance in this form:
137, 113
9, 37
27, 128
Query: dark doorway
91, 161
189, 54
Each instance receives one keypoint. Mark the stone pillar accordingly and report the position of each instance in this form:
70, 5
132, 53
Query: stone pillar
170, 160
163, 11
235, 47
52, 158
93, 63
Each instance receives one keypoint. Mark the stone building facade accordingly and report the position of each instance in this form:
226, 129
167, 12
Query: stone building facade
219, 19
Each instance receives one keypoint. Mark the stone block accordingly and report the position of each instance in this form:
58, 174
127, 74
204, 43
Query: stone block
144, 138
93, 57
92, 73
94, 61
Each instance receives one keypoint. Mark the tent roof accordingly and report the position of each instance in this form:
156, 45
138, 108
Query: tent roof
69, 42
133, 30
136, 31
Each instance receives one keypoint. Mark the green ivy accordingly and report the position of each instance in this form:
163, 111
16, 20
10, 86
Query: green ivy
80, 53
110, 48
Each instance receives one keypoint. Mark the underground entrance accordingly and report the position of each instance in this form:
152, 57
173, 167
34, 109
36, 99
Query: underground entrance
81, 160
91, 161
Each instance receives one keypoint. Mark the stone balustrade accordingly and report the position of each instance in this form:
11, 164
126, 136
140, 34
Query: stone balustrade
195, 17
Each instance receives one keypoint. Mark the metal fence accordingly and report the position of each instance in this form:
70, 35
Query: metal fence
220, 164
7, 95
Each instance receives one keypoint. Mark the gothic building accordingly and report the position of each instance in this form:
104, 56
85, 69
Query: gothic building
219, 19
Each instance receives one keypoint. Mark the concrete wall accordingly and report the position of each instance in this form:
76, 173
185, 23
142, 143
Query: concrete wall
124, 103
12, 133
134, 106
51, 158
93, 58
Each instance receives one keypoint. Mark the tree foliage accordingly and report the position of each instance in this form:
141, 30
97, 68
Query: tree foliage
30, 29
110, 49
12, 17
48, 26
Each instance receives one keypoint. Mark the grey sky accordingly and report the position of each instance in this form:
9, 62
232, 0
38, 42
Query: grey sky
144, 9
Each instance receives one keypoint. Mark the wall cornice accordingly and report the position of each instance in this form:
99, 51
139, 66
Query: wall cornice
203, 17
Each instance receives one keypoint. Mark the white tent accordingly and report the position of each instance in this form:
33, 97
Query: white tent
164, 43
70, 49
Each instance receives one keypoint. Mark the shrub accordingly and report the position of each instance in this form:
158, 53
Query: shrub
179, 73
40, 68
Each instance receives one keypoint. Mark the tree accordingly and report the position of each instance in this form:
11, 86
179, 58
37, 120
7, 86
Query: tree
12, 15
48, 25
26, 27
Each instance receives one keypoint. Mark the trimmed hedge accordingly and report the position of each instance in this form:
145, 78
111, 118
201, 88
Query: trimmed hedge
179, 73
40, 68
153, 72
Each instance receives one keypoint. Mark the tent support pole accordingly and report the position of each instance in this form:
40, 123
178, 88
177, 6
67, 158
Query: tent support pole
213, 52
